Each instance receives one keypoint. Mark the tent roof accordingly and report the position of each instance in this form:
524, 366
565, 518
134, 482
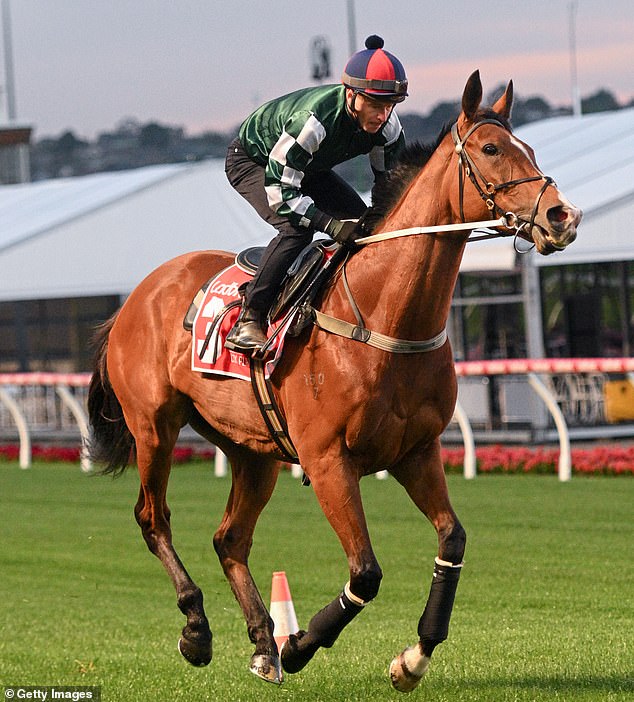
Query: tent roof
29, 209
101, 234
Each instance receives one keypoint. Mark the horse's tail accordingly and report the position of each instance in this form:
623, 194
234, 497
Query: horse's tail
111, 444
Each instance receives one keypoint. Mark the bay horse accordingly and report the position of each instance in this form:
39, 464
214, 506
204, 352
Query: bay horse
372, 410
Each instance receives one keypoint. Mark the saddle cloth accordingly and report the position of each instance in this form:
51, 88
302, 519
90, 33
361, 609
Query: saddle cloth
213, 321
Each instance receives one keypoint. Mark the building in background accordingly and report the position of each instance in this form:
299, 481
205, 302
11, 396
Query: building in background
14, 155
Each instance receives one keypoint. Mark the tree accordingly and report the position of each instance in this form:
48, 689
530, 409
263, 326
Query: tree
155, 136
131, 144
68, 144
601, 101
530, 110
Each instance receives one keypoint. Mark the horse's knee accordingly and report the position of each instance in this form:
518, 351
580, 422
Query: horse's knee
452, 543
365, 584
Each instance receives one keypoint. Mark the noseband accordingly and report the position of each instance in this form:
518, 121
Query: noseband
485, 188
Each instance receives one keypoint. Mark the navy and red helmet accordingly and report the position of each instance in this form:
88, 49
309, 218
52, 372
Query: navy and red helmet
376, 73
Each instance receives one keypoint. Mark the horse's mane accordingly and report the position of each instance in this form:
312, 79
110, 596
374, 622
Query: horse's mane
387, 190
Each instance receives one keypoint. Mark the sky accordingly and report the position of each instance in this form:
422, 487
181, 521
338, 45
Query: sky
86, 65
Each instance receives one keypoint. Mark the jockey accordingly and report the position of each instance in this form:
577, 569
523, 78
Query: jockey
281, 163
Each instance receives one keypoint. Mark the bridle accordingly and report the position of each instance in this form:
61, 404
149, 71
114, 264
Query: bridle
485, 188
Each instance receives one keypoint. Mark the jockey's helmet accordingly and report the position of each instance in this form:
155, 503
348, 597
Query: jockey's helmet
376, 73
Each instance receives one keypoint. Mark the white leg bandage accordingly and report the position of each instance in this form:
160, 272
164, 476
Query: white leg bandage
352, 597
447, 564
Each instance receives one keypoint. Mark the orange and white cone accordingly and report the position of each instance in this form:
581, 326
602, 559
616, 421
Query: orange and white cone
282, 610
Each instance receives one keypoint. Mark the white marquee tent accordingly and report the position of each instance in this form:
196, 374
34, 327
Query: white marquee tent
101, 234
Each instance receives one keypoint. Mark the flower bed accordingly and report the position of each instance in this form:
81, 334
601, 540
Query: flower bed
59, 454
600, 460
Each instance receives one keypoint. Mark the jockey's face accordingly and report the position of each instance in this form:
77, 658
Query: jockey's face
370, 113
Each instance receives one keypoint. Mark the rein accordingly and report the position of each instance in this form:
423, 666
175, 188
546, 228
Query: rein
504, 221
507, 220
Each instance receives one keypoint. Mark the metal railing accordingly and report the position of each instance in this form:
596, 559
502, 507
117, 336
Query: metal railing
564, 393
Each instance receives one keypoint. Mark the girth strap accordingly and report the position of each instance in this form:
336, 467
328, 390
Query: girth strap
273, 417
375, 339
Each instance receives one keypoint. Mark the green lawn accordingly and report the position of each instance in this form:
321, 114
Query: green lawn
544, 610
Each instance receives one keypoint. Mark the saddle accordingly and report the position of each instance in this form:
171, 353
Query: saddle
215, 307
306, 275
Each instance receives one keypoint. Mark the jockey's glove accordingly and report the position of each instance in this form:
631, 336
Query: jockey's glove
344, 232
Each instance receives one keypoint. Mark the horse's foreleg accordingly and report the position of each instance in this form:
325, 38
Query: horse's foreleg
340, 498
252, 486
428, 490
153, 516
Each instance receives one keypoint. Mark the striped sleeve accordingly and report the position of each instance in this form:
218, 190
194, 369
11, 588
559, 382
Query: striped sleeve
293, 151
383, 158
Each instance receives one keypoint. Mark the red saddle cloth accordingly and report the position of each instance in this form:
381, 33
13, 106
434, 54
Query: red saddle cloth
210, 355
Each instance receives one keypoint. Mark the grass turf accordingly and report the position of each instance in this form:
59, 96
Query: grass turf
543, 612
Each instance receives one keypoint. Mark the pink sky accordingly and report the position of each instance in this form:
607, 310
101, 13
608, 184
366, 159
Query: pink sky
438, 81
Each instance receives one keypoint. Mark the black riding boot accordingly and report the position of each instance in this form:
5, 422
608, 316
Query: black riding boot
248, 333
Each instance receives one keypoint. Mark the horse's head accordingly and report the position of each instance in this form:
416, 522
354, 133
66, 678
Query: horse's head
505, 175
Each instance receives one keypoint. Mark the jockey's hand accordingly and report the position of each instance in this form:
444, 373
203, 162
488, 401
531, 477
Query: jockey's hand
343, 232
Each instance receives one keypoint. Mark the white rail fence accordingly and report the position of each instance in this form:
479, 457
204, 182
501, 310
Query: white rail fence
570, 389
44, 404
53, 405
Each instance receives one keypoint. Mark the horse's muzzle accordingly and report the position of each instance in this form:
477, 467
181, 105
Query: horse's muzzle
558, 231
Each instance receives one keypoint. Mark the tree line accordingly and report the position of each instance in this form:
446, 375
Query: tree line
132, 144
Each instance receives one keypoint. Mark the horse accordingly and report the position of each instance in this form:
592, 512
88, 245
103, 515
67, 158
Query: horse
378, 408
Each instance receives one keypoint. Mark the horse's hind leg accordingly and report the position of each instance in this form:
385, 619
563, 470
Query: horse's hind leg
153, 516
422, 475
253, 480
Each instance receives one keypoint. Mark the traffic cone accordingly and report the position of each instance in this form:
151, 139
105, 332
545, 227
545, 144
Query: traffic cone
282, 610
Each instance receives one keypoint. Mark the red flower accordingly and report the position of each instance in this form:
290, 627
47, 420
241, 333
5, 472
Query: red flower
600, 460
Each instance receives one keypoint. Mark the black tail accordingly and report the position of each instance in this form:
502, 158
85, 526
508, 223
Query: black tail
111, 443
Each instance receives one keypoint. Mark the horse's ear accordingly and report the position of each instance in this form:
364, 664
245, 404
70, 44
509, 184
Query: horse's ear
504, 104
472, 96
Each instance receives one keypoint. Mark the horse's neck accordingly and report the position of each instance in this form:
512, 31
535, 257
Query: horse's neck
406, 284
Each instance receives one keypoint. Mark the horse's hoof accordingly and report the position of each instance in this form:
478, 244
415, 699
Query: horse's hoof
297, 652
195, 653
408, 668
267, 667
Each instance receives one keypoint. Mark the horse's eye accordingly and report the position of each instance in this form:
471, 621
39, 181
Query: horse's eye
490, 149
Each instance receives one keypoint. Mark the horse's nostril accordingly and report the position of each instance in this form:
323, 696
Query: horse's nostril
556, 215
